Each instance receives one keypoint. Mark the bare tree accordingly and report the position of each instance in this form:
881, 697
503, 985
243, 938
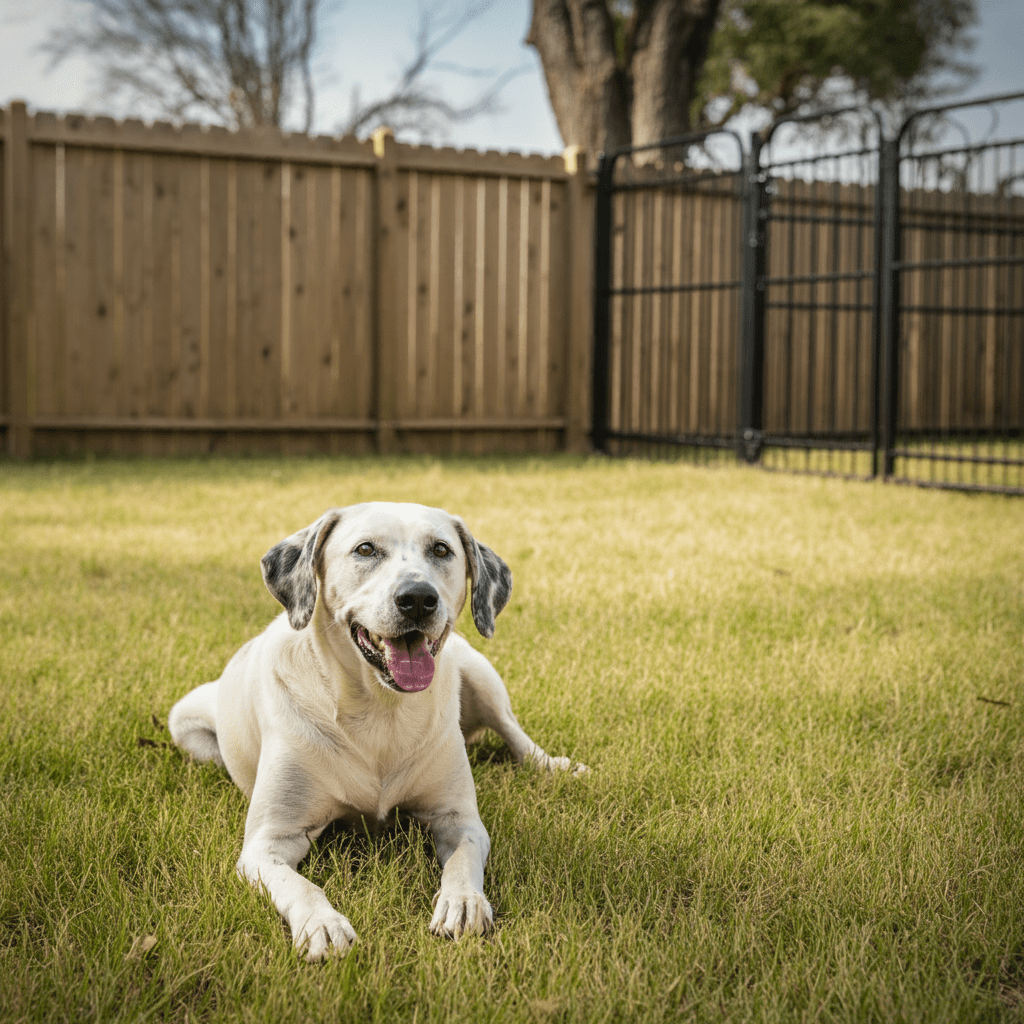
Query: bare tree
238, 62
247, 63
417, 107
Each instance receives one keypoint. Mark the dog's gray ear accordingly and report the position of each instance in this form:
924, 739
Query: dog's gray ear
491, 579
289, 568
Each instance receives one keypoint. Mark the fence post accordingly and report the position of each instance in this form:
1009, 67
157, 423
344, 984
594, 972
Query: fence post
17, 258
386, 339
579, 280
755, 262
602, 292
887, 377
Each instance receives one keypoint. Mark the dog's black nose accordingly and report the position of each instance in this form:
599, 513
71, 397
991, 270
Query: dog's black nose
416, 601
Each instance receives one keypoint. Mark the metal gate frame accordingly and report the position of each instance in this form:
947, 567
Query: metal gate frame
786, 444
605, 291
947, 456
882, 443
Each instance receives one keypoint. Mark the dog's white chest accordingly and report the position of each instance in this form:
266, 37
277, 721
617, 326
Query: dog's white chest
376, 769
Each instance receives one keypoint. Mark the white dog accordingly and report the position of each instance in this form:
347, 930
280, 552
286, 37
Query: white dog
357, 701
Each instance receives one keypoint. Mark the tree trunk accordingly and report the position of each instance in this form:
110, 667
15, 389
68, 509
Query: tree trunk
603, 99
575, 40
670, 46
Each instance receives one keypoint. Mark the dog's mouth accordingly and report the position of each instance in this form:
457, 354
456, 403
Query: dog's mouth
405, 662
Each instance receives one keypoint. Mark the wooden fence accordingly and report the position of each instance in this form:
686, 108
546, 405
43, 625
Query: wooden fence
182, 290
190, 290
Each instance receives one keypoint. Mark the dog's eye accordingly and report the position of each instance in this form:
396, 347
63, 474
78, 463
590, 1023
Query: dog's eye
441, 550
366, 549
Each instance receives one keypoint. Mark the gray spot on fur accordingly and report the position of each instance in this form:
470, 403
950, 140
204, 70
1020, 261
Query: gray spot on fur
491, 579
290, 568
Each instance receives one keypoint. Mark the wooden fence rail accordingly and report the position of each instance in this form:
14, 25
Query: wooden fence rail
177, 290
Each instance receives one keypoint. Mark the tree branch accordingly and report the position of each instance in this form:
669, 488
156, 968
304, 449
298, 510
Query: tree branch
414, 106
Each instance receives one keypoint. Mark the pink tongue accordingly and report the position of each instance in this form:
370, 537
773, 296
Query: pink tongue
410, 663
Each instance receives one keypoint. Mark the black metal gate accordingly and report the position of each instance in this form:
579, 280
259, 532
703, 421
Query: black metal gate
855, 311
669, 278
953, 300
812, 329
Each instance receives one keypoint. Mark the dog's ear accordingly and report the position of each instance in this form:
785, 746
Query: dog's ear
289, 568
491, 579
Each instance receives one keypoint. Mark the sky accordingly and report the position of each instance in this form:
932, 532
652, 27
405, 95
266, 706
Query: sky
364, 45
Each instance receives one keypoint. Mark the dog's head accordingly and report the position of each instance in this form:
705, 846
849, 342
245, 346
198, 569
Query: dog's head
393, 578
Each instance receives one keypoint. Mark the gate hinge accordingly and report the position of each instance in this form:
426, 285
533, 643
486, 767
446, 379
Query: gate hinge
751, 442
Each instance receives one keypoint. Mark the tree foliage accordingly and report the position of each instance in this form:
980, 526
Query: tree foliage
783, 56
632, 72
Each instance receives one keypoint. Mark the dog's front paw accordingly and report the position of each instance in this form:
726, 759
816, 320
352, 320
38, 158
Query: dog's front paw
559, 764
455, 916
565, 764
325, 933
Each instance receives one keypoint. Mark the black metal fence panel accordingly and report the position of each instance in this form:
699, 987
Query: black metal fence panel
855, 311
957, 325
667, 305
820, 347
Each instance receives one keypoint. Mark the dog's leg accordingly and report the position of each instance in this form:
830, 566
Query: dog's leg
484, 703
462, 844
277, 837
193, 723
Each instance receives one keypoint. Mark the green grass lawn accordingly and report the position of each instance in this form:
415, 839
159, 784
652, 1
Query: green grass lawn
801, 702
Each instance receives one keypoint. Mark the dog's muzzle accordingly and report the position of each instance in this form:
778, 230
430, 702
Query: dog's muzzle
406, 662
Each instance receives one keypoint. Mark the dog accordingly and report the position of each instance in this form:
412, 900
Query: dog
358, 699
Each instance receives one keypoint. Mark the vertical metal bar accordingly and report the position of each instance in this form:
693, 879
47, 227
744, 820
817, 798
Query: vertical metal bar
816, 223
755, 247
877, 331
832, 424
887, 381
858, 385
602, 301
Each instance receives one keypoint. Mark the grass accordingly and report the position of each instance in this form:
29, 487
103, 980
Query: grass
800, 700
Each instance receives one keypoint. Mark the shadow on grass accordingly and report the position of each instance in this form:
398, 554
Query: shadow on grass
490, 749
